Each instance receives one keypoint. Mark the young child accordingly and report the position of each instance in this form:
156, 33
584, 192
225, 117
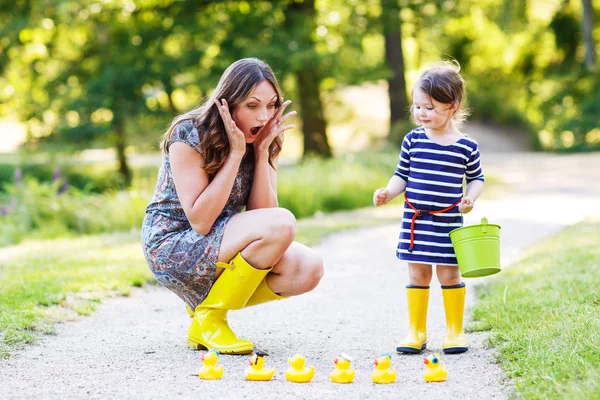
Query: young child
434, 159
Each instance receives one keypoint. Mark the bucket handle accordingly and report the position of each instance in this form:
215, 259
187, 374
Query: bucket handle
484, 223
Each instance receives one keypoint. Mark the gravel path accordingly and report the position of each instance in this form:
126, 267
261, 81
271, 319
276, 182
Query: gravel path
135, 347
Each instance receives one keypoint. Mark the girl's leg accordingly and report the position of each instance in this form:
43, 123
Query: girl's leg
417, 295
419, 274
453, 291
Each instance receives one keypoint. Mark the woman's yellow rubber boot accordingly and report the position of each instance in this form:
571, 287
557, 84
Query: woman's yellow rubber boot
454, 304
231, 291
418, 300
263, 294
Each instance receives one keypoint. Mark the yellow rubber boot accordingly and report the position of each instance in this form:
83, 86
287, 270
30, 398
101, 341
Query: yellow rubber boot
418, 300
454, 304
231, 291
263, 294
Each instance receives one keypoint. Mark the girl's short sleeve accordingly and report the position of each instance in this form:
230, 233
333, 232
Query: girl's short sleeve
185, 132
474, 170
403, 166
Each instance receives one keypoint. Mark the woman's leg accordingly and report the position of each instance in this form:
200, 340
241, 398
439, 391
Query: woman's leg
253, 243
453, 291
262, 236
417, 298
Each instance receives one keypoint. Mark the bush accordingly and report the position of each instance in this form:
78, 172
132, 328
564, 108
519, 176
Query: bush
93, 179
342, 183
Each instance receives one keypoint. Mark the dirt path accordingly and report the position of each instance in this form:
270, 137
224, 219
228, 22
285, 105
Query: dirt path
135, 347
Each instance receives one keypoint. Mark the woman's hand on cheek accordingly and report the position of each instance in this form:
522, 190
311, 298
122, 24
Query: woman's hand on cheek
273, 128
237, 141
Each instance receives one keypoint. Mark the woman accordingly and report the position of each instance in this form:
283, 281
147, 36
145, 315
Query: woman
217, 160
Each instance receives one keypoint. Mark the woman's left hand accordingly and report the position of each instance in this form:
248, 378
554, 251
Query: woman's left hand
466, 205
273, 128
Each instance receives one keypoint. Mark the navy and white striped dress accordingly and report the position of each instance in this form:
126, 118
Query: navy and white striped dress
434, 180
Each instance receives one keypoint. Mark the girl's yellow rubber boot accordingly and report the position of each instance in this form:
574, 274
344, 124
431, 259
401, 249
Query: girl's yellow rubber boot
454, 305
231, 291
418, 299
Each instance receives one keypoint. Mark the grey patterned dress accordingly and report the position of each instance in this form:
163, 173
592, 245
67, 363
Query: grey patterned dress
181, 259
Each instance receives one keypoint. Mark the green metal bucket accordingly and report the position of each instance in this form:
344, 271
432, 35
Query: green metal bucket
477, 249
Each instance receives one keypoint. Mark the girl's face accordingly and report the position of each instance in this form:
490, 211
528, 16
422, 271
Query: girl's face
431, 113
256, 110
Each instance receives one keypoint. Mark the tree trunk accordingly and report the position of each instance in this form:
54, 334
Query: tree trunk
395, 60
588, 37
120, 148
169, 91
313, 122
300, 19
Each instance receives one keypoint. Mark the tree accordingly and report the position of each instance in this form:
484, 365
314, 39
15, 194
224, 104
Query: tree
588, 34
300, 17
392, 28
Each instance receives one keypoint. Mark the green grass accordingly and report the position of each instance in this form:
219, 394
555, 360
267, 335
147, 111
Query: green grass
44, 282
544, 316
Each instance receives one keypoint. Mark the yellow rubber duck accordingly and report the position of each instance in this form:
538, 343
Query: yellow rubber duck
383, 373
297, 372
257, 371
434, 372
342, 373
210, 370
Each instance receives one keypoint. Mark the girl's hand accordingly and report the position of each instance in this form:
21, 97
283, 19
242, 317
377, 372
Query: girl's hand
380, 197
272, 129
466, 205
237, 141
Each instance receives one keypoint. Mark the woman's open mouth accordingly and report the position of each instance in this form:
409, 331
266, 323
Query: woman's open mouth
254, 131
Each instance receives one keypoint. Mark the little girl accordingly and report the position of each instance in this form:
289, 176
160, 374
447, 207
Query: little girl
434, 159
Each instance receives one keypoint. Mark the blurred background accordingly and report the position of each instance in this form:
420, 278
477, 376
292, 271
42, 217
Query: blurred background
87, 88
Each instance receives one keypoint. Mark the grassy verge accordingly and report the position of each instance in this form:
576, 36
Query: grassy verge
45, 282
544, 314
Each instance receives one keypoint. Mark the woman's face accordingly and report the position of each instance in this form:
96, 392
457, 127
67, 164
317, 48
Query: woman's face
256, 110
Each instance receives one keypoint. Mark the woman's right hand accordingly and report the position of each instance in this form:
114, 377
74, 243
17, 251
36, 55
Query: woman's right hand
380, 197
237, 141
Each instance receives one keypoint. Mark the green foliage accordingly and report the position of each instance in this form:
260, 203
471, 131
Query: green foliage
544, 316
341, 183
39, 210
92, 179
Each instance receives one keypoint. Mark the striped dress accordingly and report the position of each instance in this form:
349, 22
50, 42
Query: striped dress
434, 180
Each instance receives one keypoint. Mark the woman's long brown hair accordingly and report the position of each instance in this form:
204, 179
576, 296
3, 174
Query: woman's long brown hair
236, 84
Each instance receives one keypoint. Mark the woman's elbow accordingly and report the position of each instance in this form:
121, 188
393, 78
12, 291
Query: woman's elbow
201, 228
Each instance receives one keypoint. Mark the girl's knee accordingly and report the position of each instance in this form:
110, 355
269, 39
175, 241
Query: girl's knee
448, 275
420, 276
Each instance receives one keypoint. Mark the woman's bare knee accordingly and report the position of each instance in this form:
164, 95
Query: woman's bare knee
282, 226
312, 272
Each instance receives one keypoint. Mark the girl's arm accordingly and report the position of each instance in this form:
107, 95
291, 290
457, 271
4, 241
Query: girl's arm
394, 188
474, 189
264, 185
202, 200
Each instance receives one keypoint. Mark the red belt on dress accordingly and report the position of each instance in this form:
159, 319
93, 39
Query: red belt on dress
418, 213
